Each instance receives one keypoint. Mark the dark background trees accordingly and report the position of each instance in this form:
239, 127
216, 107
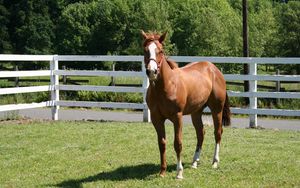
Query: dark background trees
195, 27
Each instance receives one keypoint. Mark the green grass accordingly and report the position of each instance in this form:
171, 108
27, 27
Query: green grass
113, 154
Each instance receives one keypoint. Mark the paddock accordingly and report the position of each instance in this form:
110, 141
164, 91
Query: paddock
36, 153
83, 154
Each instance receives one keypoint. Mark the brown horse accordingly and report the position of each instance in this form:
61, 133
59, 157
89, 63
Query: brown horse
174, 92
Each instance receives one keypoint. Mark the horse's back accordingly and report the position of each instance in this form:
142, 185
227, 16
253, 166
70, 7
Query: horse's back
199, 72
202, 67
202, 81
204, 70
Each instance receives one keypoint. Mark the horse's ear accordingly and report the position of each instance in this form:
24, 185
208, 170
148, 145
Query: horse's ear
162, 37
143, 34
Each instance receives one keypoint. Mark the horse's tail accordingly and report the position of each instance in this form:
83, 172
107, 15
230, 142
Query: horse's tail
226, 118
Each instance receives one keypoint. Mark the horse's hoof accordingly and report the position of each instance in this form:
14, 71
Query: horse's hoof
179, 175
215, 165
194, 165
162, 174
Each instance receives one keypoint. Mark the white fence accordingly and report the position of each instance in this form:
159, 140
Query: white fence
54, 85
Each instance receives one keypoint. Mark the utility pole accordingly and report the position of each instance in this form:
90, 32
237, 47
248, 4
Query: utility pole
245, 45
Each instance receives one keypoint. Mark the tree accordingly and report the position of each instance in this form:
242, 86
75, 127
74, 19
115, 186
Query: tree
74, 28
288, 16
262, 28
288, 45
5, 45
110, 26
195, 27
31, 28
207, 28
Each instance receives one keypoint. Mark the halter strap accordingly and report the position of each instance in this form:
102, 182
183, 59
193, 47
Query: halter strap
153, 60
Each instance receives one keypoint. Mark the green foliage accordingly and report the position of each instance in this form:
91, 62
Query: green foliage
24, 98
202, 29
289, 29
5, 44
288, 45
74, 29
112, 154
110, 96
262, 28
31, 28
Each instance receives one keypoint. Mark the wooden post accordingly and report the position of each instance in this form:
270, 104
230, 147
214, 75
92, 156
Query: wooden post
245, 45
54, 85
253, 100
146, 111
278, 86
64, 77
113, 82
16, 78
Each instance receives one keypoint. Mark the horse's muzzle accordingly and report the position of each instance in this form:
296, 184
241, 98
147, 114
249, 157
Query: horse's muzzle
152, 74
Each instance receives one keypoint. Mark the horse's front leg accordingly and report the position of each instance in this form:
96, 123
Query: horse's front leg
178, 144
161, 138
217, 118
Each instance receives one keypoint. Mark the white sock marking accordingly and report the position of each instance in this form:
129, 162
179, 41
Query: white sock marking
179, 170
196, 159
216, 155
216, 158
179, 165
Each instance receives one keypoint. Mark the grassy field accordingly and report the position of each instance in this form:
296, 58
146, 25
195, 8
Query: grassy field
113, 154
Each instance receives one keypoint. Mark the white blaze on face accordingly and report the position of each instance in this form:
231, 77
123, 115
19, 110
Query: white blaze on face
152, 63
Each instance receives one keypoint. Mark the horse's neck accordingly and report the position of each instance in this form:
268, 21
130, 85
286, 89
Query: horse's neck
166, 74
166, 71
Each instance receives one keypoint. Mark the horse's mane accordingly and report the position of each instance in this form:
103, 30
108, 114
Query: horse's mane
152, 36
172, 64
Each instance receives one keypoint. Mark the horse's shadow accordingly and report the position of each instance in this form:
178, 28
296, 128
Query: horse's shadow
139, 172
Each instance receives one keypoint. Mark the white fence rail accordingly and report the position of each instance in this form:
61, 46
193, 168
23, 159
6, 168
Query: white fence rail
54, 86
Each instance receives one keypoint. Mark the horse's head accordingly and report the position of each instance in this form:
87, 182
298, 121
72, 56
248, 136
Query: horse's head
153, 53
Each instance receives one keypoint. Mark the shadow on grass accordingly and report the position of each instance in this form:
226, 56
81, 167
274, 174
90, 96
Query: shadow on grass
139, 172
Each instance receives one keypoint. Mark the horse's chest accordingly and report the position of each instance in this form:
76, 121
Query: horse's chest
166, 101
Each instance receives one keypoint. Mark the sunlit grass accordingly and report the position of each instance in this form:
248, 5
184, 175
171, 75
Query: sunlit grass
113, 154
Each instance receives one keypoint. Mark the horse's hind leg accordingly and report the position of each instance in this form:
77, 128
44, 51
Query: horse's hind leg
217, 118
198, 125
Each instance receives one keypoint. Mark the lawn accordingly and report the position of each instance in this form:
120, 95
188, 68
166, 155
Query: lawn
120, 154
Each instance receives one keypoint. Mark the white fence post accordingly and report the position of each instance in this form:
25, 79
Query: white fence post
253, 100
146, 111
54, 84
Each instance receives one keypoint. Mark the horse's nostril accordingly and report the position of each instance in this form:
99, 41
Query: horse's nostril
155, 71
